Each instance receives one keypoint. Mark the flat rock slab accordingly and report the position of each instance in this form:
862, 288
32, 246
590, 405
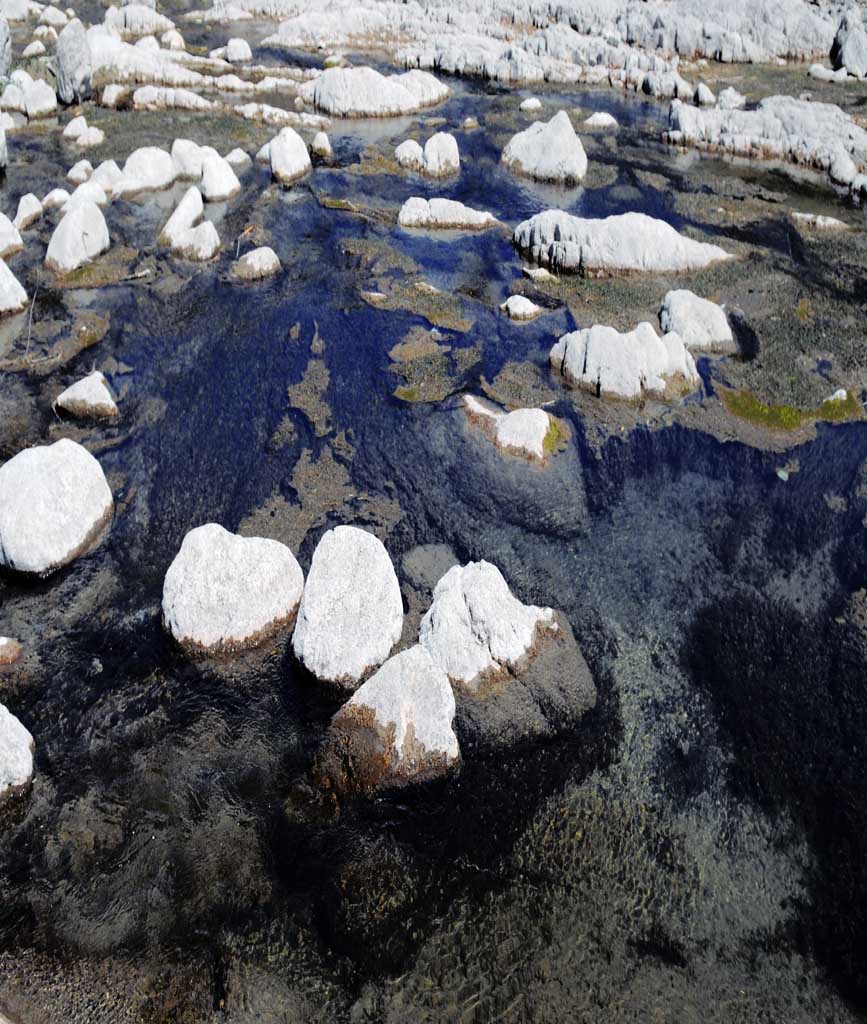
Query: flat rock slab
223, 592
54, 504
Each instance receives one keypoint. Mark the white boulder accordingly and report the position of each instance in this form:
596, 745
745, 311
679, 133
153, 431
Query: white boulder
351, 614
256, 265
730, 99
704, 96
16, 755
223, 592
80, 237
74, 64
184, 235
519, 307
29, 211
238, 51
476, 628
396, 728
88, 398
849, 49
79, 172
13, 298
219, 181
701, 324
607, 363
444, 214
321, 146
548, 151
531, 105
288, 156
601, 119
54, 503
627, 243
147, 169
10, 239
519, 432
364, 92
238, 159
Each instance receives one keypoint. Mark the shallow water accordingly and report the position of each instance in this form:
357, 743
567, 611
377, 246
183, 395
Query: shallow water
700, 834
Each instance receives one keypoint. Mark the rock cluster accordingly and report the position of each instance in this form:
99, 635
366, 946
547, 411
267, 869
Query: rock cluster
438, 159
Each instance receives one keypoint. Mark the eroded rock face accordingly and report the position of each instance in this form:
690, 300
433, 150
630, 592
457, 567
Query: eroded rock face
548, 152
397, 728
628, 243
223, 592
701, 324
88, 398
443, 214
607, 363
54, 504
16, 755
351, 614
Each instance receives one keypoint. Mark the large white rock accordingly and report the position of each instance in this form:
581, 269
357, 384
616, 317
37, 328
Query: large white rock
16, 755
548, 151
74, 65
54, 503
519, 307
147, 169
29, 211
519, 432
10, 239
13, 298
351, 614
88, 398
224, 592
260, 263
701, 324
108, 176
629, 242
605, 362
409, 154
849, 49
396, 728
79, 172
446, 214
187, 159
364, 92
441, 156
219, 181
184, 235
80, 237
476, 628
289, 157
238, 51
87, 192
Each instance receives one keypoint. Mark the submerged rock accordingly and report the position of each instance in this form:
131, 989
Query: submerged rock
701, 324
260, 263
321, 146
605, 362
443, 214
628, 243
80, 237
364, 92
223, 592
548, 151
351, 614
395, 729
54, 504
519, 432
88, 398
288, 156
16, 755
13, 298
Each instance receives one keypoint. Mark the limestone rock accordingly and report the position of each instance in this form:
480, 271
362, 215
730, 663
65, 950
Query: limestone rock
16, 755
849, 49
260, 263
74, 64
395, 729
88, 398
219, 181
54, 504
351, 614
29, 211
519, 307
223, 592
601, 119
627, 243
443, 214
13, 298
701, 324
289, 157
364, 92
548, 151
321, 146
607, 363
184, 235
80, 237
520, 432
10, 239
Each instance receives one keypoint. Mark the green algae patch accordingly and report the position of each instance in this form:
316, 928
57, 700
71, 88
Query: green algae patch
557, 436
746, 406
408, 394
